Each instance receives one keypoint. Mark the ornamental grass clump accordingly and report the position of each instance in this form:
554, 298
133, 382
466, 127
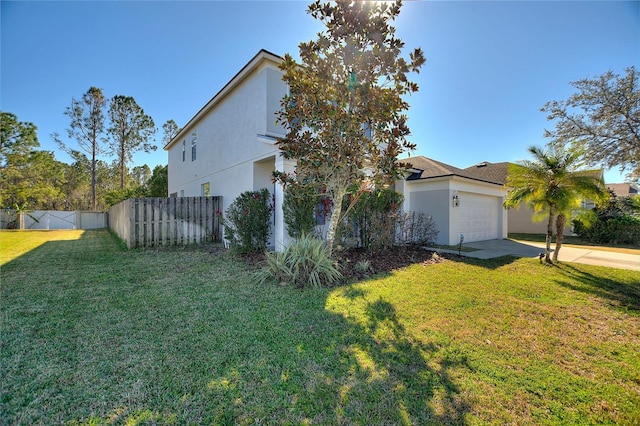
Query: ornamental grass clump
306, 262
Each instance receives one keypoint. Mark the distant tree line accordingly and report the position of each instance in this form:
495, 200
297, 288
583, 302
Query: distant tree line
98, 128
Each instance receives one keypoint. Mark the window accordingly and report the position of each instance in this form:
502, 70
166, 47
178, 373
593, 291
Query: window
173, 195
182, 192
205, 189
323, 210
184, 149
368, 131
193, 146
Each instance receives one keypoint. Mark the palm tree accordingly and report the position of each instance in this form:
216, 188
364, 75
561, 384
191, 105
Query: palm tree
553, 186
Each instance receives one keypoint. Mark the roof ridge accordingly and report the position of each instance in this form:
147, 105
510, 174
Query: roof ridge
440, 169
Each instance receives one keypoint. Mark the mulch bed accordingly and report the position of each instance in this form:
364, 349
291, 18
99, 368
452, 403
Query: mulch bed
353, 261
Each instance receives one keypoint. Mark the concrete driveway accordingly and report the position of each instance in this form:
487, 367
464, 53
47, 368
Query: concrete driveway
497, 248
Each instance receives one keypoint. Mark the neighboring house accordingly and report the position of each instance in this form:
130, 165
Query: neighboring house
228, 147
461, 202
520, 220
623, 189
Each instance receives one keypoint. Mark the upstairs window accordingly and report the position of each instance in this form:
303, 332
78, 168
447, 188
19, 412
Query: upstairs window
194, 143
184, 149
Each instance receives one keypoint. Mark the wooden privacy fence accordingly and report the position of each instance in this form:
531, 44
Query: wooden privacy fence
149, 222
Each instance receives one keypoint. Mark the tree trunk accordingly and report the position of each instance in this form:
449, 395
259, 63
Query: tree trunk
122, 166
560, 221
547, 254
338, 195
93, 175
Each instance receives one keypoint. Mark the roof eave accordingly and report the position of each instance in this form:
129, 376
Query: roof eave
252, 65
452, 175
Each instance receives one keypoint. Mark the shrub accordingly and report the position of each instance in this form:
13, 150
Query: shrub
248, 221
374, 218
299, 209
415, 228
305, 262
116, 196
623, 229
617, 222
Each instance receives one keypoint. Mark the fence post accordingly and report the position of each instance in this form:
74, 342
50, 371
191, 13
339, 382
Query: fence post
171, 217
133, 218
198, 220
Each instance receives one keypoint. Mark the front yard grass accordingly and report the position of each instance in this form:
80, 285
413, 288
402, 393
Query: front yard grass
92, 334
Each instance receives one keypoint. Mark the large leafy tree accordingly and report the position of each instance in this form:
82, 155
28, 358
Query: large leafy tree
552, 185
36, 180
140, 175
603, 119
17, 141
87, 127
130, 131
346, 111
16, 137
158, 184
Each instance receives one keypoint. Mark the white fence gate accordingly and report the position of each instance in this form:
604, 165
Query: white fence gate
53, 219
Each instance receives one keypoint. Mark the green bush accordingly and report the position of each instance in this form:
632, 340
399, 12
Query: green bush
623, 229
247, 221
116, 196
304, 263
374, 218
617, 222
299, 209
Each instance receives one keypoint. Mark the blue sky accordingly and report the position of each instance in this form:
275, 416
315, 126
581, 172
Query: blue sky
490, 65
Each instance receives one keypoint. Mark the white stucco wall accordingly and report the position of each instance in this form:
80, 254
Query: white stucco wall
235, 140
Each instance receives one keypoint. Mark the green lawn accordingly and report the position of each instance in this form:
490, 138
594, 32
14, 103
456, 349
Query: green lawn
92, 334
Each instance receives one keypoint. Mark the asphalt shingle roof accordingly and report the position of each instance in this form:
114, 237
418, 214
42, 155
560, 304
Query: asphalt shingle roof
622, 189
427, 168
495, 172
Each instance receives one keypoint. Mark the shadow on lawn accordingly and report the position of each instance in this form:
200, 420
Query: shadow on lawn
411, 377
494, 263
159, 344
621, 295
364, 369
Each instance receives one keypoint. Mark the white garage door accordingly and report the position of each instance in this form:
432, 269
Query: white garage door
478, 217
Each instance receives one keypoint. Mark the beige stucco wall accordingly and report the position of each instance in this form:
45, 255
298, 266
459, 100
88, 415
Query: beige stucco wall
521, 222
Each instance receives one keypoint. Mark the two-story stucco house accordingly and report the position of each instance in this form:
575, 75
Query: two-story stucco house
228, 147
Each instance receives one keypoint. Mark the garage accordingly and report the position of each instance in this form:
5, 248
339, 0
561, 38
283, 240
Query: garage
459, 201
477, 217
